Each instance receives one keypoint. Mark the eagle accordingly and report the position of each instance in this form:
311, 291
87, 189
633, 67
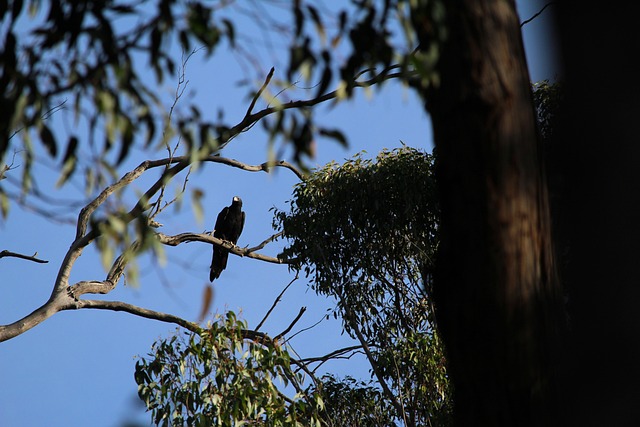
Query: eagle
229, 225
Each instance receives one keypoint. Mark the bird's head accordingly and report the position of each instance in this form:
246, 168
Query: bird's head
237, 200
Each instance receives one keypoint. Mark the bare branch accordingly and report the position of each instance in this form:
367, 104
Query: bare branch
265, 243
206, 238
181, 87
336, 354
138, 311
250, 119
266, 166
91, 287
277, 300
526, 21
45, 116
33, 257
33, 319
283, 333
257, 95
307, 328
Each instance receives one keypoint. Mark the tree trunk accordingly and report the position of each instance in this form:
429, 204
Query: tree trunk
496, 292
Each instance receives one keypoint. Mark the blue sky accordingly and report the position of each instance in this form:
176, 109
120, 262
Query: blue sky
76, 368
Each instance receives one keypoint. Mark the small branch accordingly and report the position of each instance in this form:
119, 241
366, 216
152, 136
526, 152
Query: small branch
33, 258
44, 116
265, 243
537, 14
257, 95
206, 238
283, 333
266, 166
336, 354
277, 300
138, 311
307, 328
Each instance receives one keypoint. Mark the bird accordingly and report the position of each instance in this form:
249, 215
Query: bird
229, 225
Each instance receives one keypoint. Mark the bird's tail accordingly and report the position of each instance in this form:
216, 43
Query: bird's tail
218, 263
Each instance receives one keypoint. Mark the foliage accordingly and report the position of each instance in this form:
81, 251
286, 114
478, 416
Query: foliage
547, 98
374, 222
88, 53
349, 402
366, 232
93, 59
220, 377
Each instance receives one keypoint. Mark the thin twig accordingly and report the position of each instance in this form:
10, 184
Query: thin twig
44, 116
537, 14
277, 300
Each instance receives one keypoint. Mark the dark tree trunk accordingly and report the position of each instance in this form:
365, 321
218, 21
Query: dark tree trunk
496, 292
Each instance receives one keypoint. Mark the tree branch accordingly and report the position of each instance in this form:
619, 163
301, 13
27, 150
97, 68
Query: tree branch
265, 242
339, 353
206, 238
138, 311
39, 315
65, 297
6, 253
277, 300
283, 333
257, 95
526, 21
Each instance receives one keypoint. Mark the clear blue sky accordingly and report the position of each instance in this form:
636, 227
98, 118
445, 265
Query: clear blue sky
76, 368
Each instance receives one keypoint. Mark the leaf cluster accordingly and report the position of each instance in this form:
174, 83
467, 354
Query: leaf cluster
349, 402
351, 224
366, 233
219, 377
90, 53
547, 98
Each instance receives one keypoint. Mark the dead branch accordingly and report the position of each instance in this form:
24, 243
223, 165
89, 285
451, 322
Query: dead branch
206, 238
6, 253
138, 311
277, 300
257, 95
266, 242
283, 333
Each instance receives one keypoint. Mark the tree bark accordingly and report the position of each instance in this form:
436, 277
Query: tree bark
496, 292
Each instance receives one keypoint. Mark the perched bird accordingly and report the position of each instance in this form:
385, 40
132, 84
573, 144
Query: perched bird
228, 227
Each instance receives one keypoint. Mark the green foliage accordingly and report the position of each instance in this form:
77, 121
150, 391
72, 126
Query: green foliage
349, 402
220, 377
366, 233
87, 54
349, 221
